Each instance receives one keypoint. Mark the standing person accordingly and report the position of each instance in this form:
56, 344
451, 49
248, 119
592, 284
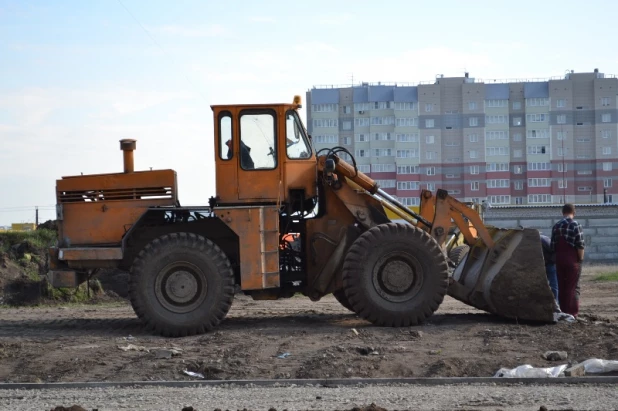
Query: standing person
567, 241
550, 265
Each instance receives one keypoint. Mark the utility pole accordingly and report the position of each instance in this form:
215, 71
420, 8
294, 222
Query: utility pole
36, 218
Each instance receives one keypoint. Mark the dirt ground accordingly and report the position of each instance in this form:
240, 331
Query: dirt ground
314, 340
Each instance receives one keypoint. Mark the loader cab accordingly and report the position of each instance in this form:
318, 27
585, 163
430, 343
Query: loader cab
263, 155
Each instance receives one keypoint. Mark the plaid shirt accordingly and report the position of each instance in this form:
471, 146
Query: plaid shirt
570, 230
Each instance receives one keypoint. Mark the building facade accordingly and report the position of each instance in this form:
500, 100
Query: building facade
520, 142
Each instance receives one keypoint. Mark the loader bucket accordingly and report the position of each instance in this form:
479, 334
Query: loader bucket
507, 279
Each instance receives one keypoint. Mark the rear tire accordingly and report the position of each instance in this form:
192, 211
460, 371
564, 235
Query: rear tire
343, 300
181, 284
395, 275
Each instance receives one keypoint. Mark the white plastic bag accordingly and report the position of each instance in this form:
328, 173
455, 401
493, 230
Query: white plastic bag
597, 366
528, 371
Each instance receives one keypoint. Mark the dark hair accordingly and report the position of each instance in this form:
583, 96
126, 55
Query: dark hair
568, 208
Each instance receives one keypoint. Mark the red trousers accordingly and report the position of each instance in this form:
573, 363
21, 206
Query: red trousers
568, 270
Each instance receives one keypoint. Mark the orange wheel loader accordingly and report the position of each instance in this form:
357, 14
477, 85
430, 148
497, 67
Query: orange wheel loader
287, 220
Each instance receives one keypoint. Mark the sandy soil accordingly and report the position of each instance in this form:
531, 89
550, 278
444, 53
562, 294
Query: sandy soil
317, 340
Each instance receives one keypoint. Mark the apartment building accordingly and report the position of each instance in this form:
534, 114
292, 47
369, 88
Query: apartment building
507, 142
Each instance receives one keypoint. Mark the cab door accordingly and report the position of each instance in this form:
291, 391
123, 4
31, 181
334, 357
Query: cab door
259, 173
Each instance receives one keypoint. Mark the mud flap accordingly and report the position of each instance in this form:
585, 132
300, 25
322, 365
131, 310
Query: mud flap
507, 279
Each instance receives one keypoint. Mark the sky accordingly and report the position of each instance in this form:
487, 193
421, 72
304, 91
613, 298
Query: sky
77, 76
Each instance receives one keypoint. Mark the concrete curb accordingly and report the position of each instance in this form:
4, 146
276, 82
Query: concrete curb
328, 383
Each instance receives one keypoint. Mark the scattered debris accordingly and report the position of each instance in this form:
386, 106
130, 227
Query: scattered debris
575, 371
166, 353
367, 351
434, 352
194, 374
132, 347
416, 334
354, 331
555, 355
528, 371
284, 355
560, 316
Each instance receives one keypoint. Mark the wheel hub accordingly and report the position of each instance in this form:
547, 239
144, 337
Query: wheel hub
181, 287
397, 277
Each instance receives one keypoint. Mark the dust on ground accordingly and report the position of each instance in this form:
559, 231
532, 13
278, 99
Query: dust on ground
294, 338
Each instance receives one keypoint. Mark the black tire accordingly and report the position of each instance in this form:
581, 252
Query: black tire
343, 300
395, 275
181, 284
457, 254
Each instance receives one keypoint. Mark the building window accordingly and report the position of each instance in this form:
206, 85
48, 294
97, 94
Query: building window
519, 185
325, 122
475, 169
537, 102
562, 183
561, 135
607, 150
496, 135
498, 183
497, 167
499, 199
562, 167
500, 119
408, 153
474, 138
561, 119
560, 152
516, 136
409, 201
362, 153
429, 123
408, 169
496, 103
607, 166
536, 149
429, 139
584, 188
605, 101
407, 138
347, 109
473, 154
347, 125
431, 171
382, 136
361, 138
519, 200
361, 107
539, 198
326, 139
471, 105
382, 152
430, 155
496, 151
544, 133
323, 108
517, 105
386, 183
364, 168
607, 182
361, 122
539, 182
406, 122
606, 133
383, 168
518, 153
473, 121
518, 170
383, 121
428, 107
400, 106
430, 186
517, 121
560, 103
606, 118
474, 186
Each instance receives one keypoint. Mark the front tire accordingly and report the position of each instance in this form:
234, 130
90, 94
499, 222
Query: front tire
395, 275
181, 284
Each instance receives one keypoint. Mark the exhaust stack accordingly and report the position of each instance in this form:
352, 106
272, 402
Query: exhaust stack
127, 146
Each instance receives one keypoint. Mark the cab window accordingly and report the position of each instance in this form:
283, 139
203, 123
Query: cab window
258, 150
296, 142
225, 136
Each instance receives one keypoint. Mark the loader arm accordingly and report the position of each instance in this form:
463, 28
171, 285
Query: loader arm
503, 272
